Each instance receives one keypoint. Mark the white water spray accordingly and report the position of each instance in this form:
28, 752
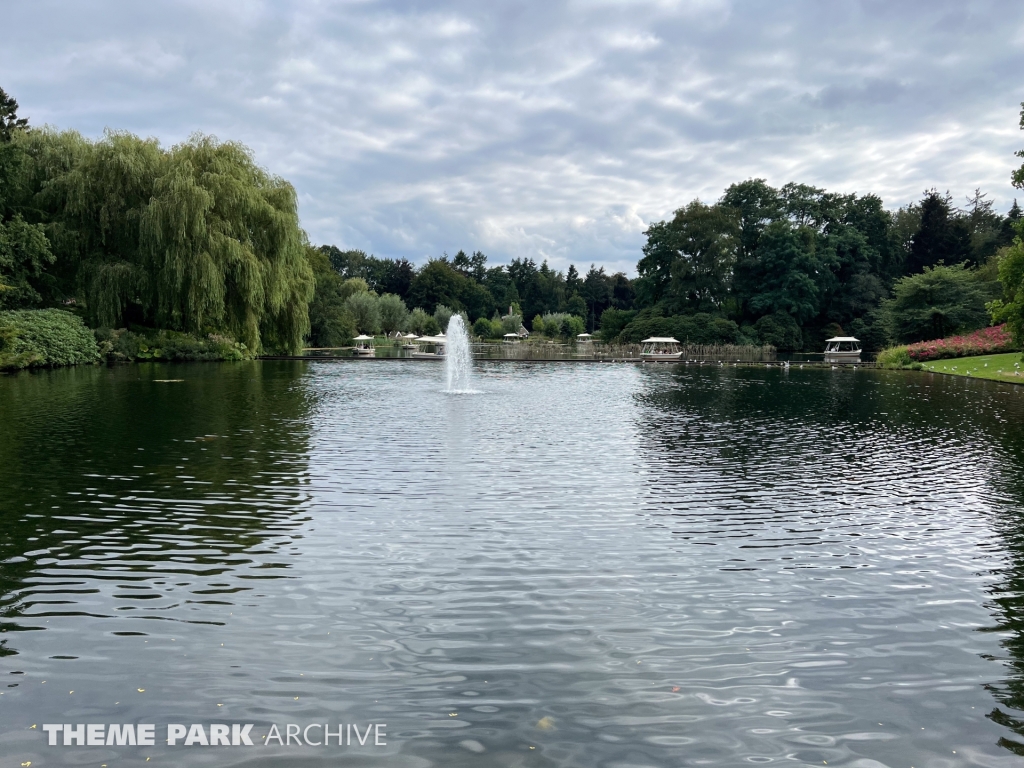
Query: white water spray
458, 361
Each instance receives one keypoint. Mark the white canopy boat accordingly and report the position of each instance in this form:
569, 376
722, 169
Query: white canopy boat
510, 338
842, 349
439, 342
660, 348
584, 338
363, 346
409, 340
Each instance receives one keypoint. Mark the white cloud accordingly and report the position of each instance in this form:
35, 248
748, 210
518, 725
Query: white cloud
541, 129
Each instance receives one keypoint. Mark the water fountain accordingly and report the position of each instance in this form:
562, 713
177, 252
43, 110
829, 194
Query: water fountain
458, 361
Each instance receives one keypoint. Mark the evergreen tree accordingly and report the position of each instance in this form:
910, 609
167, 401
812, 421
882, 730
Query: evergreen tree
9, 120
943, 235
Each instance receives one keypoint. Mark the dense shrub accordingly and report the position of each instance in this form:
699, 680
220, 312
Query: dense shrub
700, 328
417, 322
779, 330
987, 341
124, 346
896, 357
558, 325
482, 328
43, 337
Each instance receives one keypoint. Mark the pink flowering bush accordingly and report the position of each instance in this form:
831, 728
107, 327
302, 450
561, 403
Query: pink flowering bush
987, 341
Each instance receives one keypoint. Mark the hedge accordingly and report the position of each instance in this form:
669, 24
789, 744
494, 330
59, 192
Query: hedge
44, 337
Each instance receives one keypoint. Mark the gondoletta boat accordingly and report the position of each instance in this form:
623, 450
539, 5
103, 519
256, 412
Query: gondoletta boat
363, 346
659, 348
842, 349
439, 343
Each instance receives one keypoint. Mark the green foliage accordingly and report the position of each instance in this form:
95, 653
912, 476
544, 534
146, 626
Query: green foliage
381, 275
537, 326
365, 312
24, 257
576, 326
819, 258
699, 328
431, 327
437, 283
600, 292
417, 322
9, 120
353, 286
511, 323
943, 236
1010, 309
559, 325
576, 306
896, 357
194, 237
939, 301
787, 267
393, 313
871, 330
552, 324
613, 321
44, 337
171, 346
687, 263
482, 328
779, 330
442, 315
330, 324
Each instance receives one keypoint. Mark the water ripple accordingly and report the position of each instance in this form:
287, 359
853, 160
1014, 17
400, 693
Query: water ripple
573, 566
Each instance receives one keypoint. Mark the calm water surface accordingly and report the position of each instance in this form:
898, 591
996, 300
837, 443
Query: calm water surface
592, 565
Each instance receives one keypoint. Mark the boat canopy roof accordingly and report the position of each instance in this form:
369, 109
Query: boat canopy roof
584, 335
511, 336
361, 337
660, 340
432, 339
409, 336
841, 338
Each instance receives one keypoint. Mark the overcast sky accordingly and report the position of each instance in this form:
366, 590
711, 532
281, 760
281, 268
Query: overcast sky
551, 130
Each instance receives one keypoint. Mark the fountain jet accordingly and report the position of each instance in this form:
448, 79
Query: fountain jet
458, 361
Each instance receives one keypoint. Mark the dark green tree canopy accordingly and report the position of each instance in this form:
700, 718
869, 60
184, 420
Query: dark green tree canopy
942, 236
688, 262
935, 303
9, 120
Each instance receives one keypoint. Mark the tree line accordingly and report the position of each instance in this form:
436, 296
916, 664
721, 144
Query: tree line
198, 238
787, 266
495, 300
794, 265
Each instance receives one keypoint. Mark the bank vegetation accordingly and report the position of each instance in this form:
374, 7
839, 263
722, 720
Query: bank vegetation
196, 252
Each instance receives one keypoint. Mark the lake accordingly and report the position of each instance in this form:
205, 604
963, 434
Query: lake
611, 565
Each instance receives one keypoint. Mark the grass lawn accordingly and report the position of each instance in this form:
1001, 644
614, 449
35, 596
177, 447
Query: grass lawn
1007, 367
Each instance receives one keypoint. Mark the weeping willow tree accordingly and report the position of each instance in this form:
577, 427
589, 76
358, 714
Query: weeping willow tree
196, 238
